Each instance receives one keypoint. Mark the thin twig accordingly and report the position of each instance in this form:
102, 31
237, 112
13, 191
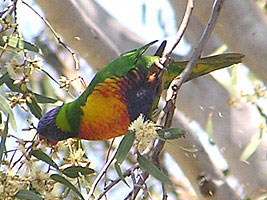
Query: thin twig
128, 172
56, 35
133, 194
101, 173
179, 80
166, 55
109, 151
164, 192
182, 28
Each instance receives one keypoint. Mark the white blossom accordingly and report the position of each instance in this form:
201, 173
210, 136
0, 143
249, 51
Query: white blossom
145, 132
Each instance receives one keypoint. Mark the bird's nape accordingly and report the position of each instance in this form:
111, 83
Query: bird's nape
47, 127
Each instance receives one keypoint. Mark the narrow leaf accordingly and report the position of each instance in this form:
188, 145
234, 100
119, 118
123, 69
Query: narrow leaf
7, 110
62, 180
9, 83
18, 43
4, 78
125, 146
44, 99
44, 157
191, 150
209, 126
26, 194
153, 170
73, 172
35, 109
119, 172
252, 146
171, 133
3, 140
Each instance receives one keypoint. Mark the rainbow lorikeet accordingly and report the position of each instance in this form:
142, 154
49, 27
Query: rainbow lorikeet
118, 94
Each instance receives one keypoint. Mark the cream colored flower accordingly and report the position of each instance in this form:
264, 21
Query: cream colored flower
145, 132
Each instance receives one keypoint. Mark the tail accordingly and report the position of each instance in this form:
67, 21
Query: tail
204, 66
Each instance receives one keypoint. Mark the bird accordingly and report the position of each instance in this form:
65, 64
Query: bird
126, 87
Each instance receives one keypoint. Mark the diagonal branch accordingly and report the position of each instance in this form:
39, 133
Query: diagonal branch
179, 80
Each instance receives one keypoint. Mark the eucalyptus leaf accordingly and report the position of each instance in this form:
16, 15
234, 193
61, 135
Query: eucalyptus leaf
171, 133
125, 146
44, 99
7, 110
29, 195
190, 150
9, 83
3, 140
119, 172
149, 167
18, 43
251, 147
33, 106
4, 78
44, 157
209, 126
62, 180
35, 109
73, 171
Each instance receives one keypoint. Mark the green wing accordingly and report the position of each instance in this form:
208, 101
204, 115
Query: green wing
120, 67
204, 66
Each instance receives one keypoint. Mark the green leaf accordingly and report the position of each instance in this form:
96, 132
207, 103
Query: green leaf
51, 77
73, 172
153, 170
252, 146
26, 194
65, 193
44, 157
62, 180
18, 43
4, 78
125, 146
119, 172
262, 113
209, 126
9, 83
3, 140
7, 110
43, 99
191, 150
35, 109
171, 133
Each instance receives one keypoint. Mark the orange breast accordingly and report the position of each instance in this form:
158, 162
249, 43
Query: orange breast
105, 113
